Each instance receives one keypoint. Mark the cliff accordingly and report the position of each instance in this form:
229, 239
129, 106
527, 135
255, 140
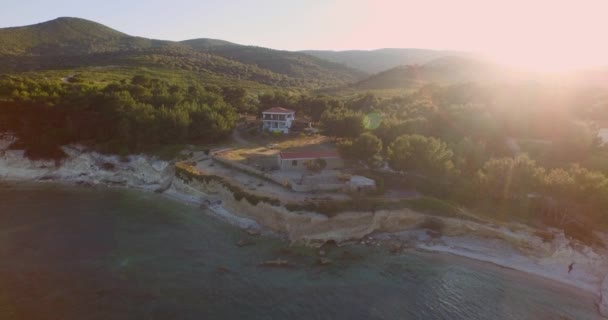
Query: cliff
513, 246
81, 166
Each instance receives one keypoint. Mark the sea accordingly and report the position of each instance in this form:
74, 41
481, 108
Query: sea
71, 252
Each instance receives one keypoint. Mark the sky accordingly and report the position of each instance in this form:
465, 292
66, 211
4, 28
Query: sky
536, 33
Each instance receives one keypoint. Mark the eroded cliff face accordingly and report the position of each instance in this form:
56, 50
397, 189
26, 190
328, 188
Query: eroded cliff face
514, 246
83, 166
603, 303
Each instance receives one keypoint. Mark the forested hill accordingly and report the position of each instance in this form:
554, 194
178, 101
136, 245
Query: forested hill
445, 70
292, 64
70, 36
71, 43
375, 61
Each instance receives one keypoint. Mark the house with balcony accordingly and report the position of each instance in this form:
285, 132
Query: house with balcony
278, 119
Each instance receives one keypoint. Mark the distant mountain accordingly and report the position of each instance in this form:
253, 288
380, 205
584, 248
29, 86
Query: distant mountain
66, 43
375, 61
292, 64
445, 70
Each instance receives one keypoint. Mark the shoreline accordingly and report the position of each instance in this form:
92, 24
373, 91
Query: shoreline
380, 239
547, 261
373, 240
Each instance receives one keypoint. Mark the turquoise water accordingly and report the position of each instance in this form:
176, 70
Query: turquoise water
69, 253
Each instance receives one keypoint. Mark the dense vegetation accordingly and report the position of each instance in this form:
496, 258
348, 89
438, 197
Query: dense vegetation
122, 117
291, 64
68, 43
529, 150
526, 148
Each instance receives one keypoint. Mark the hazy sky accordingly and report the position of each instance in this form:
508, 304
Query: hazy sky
548, 32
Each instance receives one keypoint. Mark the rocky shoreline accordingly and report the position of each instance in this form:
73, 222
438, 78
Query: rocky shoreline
515, 247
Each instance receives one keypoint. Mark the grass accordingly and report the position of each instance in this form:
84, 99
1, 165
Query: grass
258, 154
427, 205
352, 92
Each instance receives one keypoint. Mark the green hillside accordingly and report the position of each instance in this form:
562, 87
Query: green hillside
70, 36
67, 43
291, 64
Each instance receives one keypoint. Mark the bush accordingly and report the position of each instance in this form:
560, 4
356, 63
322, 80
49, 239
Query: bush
582, 233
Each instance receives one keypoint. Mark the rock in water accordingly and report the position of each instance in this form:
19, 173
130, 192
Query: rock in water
277, 263
253, 231
323, 261
603, 303
244, 242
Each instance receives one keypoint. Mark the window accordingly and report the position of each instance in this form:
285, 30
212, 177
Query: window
294, 163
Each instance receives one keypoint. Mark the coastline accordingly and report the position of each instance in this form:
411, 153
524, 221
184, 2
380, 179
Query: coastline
464, 239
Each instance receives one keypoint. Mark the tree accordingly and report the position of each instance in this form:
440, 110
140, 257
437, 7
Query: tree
313, 167
342, 123
506, 178
364, 103
559, 184
236, 97
316, 165
391, 128
276, 99
314, 107
366, 148
420, 154
470, 155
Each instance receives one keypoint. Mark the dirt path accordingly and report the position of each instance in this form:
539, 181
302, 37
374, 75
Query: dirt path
236, 136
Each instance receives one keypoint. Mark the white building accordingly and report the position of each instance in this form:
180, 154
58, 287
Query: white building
278, 119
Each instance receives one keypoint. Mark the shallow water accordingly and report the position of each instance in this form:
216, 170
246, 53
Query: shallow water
70, 253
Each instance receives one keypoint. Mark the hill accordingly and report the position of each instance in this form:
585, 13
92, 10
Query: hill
291, 64
375, 61
70, 36
68, 43
445, 70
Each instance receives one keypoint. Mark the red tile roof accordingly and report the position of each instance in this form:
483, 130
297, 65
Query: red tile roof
278, 110
308, 155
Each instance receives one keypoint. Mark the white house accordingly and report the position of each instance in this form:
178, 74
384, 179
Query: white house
278, 119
